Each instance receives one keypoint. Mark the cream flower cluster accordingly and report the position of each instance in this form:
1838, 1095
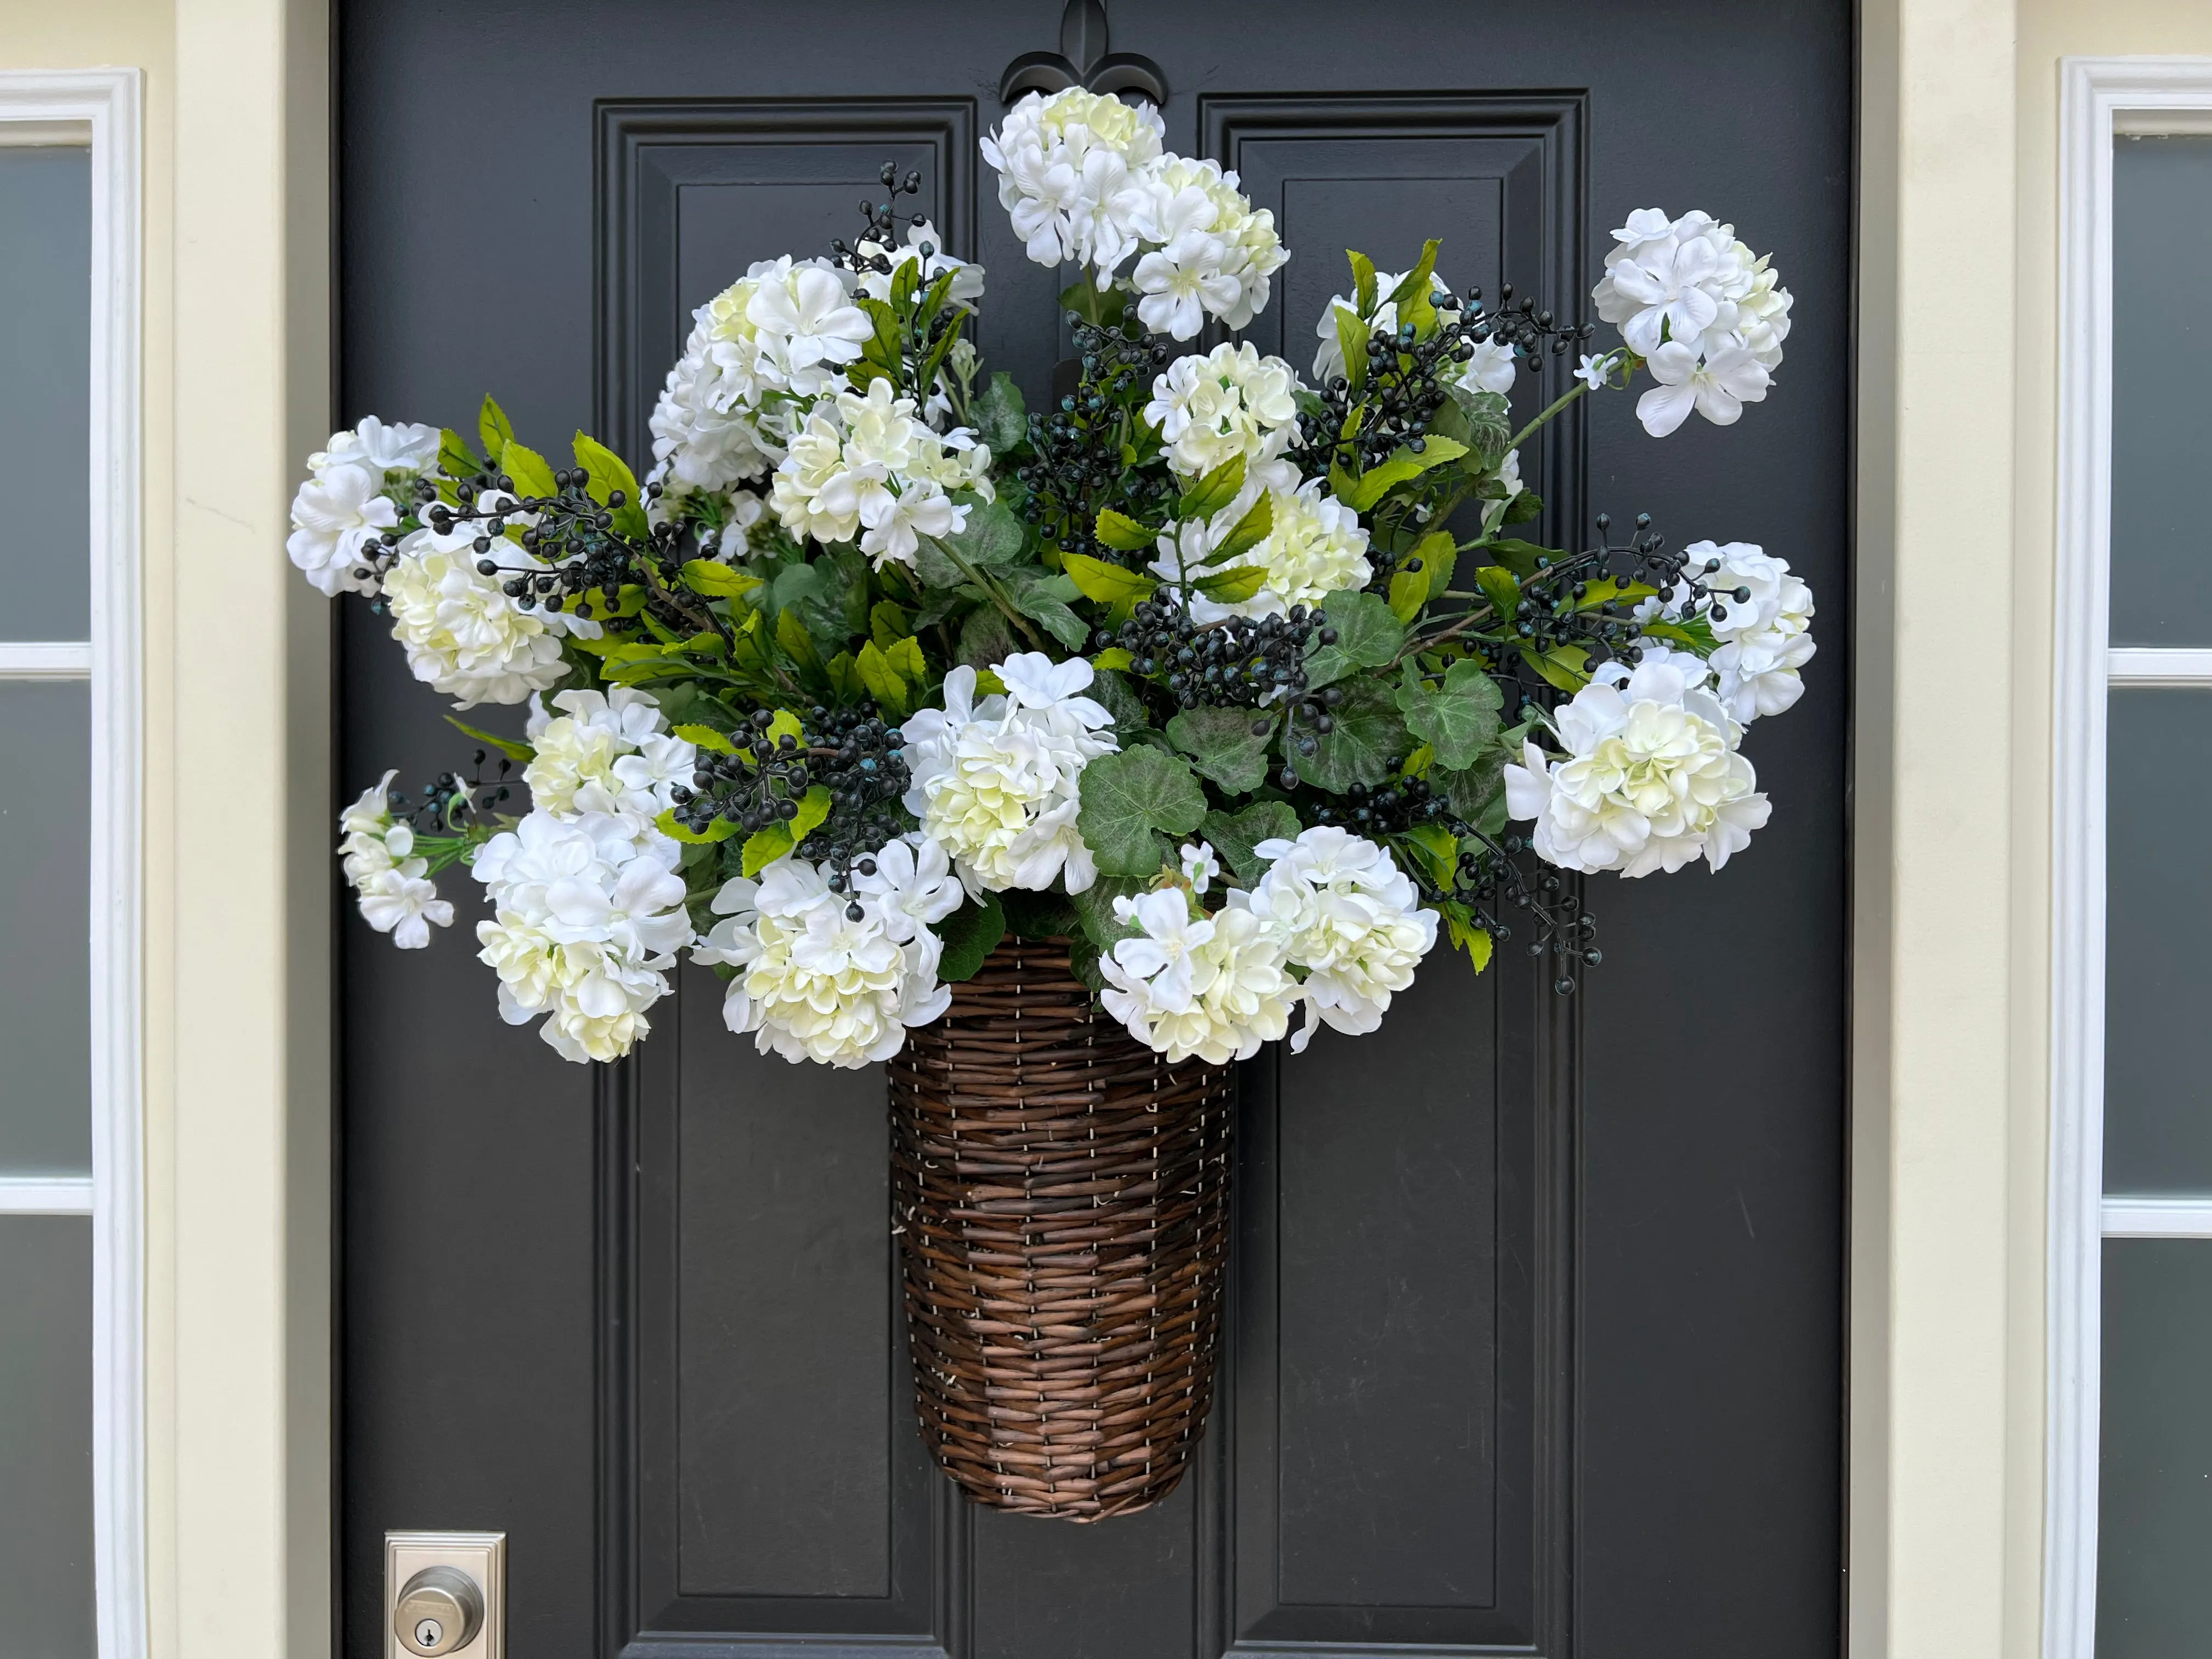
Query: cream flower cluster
1490, 368
608, 752
835, 977
347, 500
997, 782
1215, 987
1651, 777
1315, 546
870, 467
967, 282
464, 635
1350, 918
394, 890
1706, 313
1231, 402
1084, 178
588, 915
1762, 615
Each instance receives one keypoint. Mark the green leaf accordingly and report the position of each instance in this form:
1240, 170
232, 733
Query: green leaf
1221, 745
1040, 915
717, 580
845, 679
1695, 635
1436, 849
531, 476
604, 472
1214, 491
884, 683
1602, 593
706, 736
455, 459
1234, 836
798, 644
1466, 936
1379, 481
1458, 719
1470, 793
1123, 533
1130, 800
1523, 508
506, 746
934, 565
1352, 335
991, 538
1365, 742
1119, 699
1416, 285
970, 934
1106, 583
1368, 635
1094, 908
494, 427
986, 637
1519, 556
1363, 282
1000, 418
1044, 599
1483, 421
1248, 532
1501, 588
906, 656
720, 829
1235, 586
888, 624
764, 846
813, 811
1560, 666
1113, 657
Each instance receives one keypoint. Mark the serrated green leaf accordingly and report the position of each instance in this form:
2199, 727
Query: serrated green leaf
1502, 588
1094, 909
884, 683
845, 678
1368, 635
796, 642
494, 427
1000, 418
1555, 667
1248, 532
986, 638
1365, 741
888, 624
969, 935
1112, 657
1353, 334
720, 829
813, 811
1115, 695
605, 471
1467, 937
1605, 592
1416, 285
906, 656
1363, 282
1234, 836
1234, 585
1695, 635
1470, 793
455, 459
1436, 849
1379, 481
1214, 491
1044, 599
1458, 719
705, 737
506, 746
531, 476
1123, 533
764, 846
1221, 745
1519, 556
1132, 799
1106, 583
717, 580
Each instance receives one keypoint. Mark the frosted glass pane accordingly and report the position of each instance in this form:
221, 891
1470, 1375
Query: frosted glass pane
2162, 363
2157, 976
46, 391
46, 1436
2154, 1535
45, 1031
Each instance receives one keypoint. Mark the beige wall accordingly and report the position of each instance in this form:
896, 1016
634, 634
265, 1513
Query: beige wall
1959, 173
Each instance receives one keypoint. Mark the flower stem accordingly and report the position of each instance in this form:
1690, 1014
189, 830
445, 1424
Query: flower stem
991, 588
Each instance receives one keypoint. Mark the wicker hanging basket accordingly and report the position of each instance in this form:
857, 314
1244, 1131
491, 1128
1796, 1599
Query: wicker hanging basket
1062, 1198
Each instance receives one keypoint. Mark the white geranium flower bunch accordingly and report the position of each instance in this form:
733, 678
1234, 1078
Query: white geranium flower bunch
1706, 313
1085, 179
587, 917
1201, 668
835, 976
997, 782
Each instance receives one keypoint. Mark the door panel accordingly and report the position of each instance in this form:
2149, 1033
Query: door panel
1534, 1344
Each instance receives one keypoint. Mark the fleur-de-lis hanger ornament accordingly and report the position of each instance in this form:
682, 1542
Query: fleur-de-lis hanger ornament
1083, 61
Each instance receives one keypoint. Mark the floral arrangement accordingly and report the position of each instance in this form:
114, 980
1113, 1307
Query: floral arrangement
1242, 681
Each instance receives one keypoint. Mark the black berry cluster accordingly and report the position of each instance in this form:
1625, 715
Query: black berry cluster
1387, 809
883, 224
1236, 664
851, 752
1077, 466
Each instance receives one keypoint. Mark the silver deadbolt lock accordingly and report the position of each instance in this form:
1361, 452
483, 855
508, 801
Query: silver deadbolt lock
445, 1595
439, 1611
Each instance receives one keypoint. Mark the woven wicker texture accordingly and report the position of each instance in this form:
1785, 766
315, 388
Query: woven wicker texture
1062, 1198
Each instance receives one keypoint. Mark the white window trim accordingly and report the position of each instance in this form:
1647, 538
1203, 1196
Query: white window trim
2102, 97
102, 107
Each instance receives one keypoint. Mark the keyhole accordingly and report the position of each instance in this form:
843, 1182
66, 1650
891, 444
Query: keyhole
427, 1632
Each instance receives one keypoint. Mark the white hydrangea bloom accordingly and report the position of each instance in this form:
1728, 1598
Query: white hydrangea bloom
996, 783
1651, 779
608, 752
1230, 402
1708, 314
1071, 174
1212, 254
818, 982
968, 280
1762, 615
338, 511
697, 445
1214, 987
589, 914
1490, 365
463, 635
1351, 918
1315, 546
382, 447
869, 466
393, 886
